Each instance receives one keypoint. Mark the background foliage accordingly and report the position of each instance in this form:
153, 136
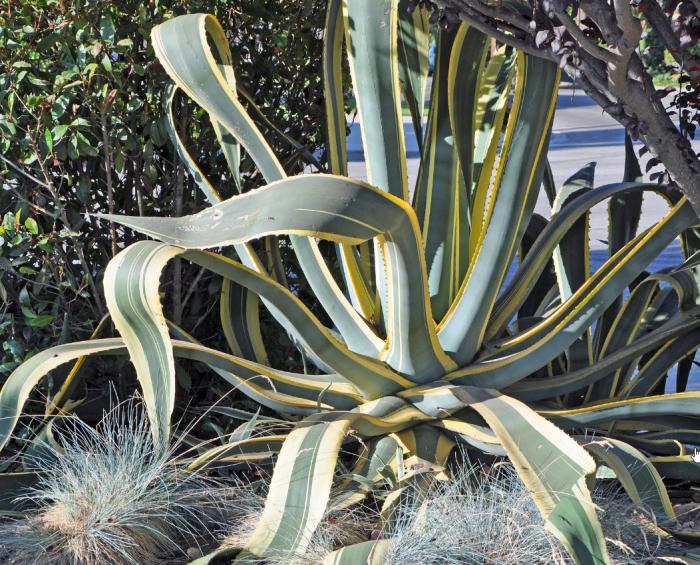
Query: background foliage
81, 131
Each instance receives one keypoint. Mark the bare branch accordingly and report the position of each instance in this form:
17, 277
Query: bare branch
493, 29
662, 26
583, 40
604, 18
24, 173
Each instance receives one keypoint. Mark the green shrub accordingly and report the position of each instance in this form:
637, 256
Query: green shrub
81, 131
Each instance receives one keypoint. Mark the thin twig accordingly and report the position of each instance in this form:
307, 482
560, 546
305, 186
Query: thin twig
24, 173
107, 152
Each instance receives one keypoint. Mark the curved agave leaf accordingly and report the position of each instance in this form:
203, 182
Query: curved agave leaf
683, 284
183, 47
637, 475
477, 436
540, 389
526, 352
298, 492
665, 442
572, 259
492, 106
371, 377
346, 211
553, 470
640, 311
463, 89
441, 197
571, 256
678, 467
535, 261
131, 284
245, 450
356, 279
640, 409
413, 47
651, 372
68, 387
19, 384
624, 212
548, 184
239, 311
265, 385
282, 391
373, 552
550, 463
374, 457
545, 286
333, 88
438, 183
301, 483
517, 179
371, 30
623, 331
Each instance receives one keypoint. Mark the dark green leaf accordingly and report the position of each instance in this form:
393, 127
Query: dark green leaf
41, 321
107, 29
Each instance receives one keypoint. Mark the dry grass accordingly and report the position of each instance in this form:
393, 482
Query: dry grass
338, 528
489, 518
109, 497
476, 518
484, 518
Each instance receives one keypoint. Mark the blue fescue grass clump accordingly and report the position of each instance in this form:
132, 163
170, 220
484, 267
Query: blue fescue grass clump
476, 517
486, 516
106, 495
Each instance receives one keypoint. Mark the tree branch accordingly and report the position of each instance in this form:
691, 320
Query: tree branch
661, 24
24, 173
583, 40
615, 77
107, 152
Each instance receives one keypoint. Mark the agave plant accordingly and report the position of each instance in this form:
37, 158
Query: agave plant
428, 346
